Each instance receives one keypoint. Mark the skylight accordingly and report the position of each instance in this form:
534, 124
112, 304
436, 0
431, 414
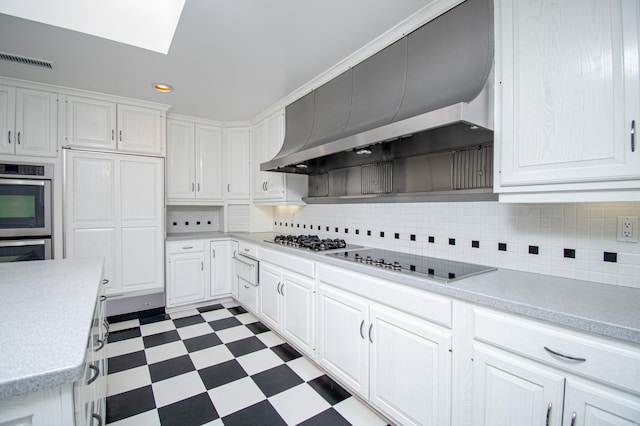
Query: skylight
149, 24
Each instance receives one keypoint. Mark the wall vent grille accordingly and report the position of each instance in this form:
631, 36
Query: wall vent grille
23, 60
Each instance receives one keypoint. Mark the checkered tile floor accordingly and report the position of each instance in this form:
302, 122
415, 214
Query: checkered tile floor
218, 366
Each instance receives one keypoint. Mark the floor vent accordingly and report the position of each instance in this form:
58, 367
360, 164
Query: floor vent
23, 60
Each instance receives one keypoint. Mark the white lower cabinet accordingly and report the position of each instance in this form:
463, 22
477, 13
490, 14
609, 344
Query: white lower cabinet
522, 375
286, 304
400, 363
198, 271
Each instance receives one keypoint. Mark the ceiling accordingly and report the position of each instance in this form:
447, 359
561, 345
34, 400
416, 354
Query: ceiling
229, 59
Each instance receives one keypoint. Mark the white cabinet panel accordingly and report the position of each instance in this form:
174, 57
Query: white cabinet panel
140, 200
181, 174
342, 347
221, 271
96, 242
187, 278
238, 163
36, 123
410, 368
507, 390
139, 130
567, 94
208, 162
593, 404
91, 123
270, 296
94, 193
7, 119
298, 313
141, 258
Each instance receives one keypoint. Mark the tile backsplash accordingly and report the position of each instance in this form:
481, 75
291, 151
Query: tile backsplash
567, 240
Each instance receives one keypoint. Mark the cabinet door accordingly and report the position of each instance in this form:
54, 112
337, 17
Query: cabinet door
238, 161
181, 175
36, 123
186, 283
275, 138
567, 91
298, 311
208, 162
7, 119
140, 130
91, 123
592, 404
270, 296
91, 225
248, 295
140, 190
220, 278
410, 371
342, 345
259, 154
510, 390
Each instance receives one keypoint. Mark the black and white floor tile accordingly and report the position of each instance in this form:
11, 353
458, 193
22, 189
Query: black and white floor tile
218, 366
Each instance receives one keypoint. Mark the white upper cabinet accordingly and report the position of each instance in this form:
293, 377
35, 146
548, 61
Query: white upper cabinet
273, 187
28, 122
194, 162
567, 99
238, 163
104, 125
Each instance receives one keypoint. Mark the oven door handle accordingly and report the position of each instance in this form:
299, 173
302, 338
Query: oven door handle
19, 243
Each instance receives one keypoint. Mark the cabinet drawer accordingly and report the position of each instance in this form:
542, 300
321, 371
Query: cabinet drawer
248, 249
420, 303
615, 363
189, 246
299, 265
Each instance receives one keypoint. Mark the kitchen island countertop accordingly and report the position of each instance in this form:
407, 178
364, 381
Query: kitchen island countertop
46, 310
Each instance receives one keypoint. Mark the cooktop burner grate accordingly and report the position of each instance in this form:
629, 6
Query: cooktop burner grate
312, 242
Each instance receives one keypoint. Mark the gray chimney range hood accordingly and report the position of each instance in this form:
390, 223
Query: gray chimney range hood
412, 121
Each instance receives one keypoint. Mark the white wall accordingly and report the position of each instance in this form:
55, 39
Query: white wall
588, 228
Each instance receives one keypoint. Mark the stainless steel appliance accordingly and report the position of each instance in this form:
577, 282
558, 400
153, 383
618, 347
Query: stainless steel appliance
25, 200
25, 212
25, 249
439, 269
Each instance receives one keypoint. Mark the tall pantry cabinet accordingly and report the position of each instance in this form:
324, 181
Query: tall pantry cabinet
114, 208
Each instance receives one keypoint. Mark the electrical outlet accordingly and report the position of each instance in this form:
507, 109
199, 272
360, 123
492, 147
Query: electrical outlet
628, 229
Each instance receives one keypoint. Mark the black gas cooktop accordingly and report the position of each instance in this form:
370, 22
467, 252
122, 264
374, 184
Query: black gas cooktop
439, 269
313, 242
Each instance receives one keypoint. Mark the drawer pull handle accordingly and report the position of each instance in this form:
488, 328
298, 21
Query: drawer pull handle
96, 370
548, 414
573, 418
572, 358
187, 248
246, 286
100, 346
9, 138
98, 418
361, 325
103, 298
370, 328
105, 281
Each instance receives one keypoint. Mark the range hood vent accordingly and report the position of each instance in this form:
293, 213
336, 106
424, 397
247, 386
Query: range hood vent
429, 92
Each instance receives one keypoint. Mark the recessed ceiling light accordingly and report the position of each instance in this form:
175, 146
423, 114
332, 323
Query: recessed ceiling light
161, 87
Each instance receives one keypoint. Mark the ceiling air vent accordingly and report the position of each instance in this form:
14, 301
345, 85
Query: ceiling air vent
16, 59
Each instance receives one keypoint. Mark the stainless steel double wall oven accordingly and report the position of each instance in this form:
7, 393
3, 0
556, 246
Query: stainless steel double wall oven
25, 211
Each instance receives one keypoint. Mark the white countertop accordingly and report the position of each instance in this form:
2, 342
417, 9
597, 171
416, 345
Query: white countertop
46, 310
